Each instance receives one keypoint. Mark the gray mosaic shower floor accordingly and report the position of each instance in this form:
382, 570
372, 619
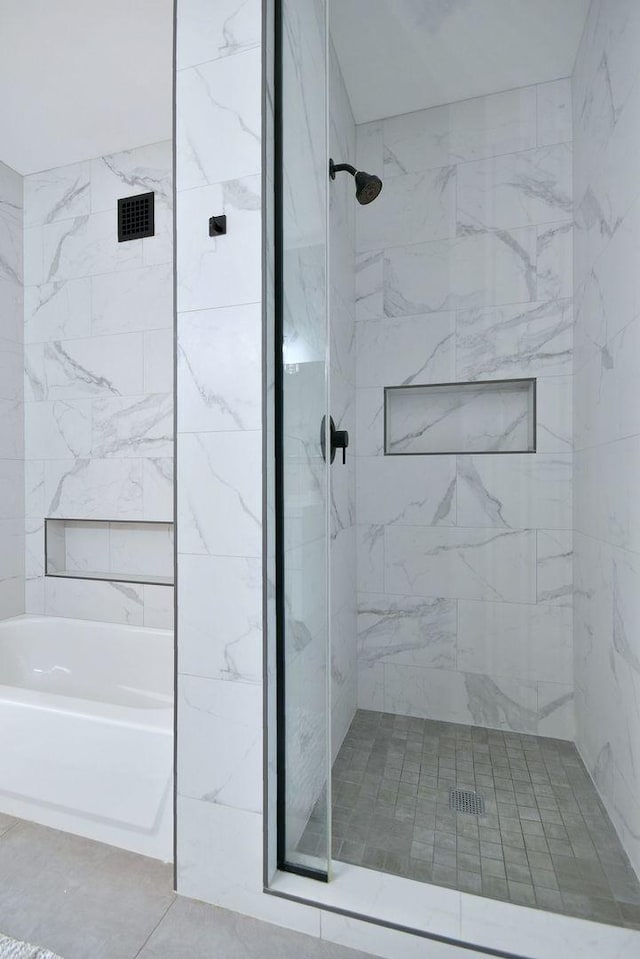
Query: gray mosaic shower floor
545, 839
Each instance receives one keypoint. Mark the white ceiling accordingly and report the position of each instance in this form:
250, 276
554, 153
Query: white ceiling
81, 78
403, 55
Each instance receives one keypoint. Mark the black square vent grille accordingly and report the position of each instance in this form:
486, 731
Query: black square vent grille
135, 217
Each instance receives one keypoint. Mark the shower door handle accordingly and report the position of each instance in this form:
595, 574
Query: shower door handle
338, 440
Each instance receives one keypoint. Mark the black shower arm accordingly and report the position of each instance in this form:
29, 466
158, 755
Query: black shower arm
340, 168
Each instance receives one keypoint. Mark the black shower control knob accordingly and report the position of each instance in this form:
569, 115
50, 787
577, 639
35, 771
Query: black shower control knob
340, 442
218, 225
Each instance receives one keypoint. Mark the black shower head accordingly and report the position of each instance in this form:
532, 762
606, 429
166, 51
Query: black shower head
368, 185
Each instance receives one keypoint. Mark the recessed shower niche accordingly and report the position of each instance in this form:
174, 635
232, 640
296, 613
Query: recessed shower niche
497, 416
123, 551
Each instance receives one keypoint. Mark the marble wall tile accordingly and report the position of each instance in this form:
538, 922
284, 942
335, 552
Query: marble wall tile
85, 246
86, 599
419, 205
72, 369
407, 630
219, 496
219, 357
11, 488
59, 429
204, 121
157, 486
513, 341
213, 272
453, 562
58, 194
555, 567
133, 426
221, 756
515, 491
418, 492
407, 350
516, 189
207, 33
158, 606
468, 130
158, 361
458, 697
93, 488
517, 641
11, 421
233, 651
554, 414
474, 270
58, 311
554, 112
556, 713
369, 285
555, 260
140, 550
145, 169
136, 300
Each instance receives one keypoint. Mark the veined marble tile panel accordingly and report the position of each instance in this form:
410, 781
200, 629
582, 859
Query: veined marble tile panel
221, 757
458, 697
515, 640
33, 256
11, 489
88, 599
412, 208
605, 502
554, 413
509, 341
72, 369
369, 422
141, 551
407, 630
219, 496
224, 271
555, 567
209, 32
467, 130
518, 491
554, 112
158, 604
217, 104
12, 552
370, 558
145, 169
157, 355
515, 190
417, 491
11, 429
34, 488
473, 270
85, 246
369, 285
133, 426
555, 261
454, 562
556, 711
94, 488
406, 350
219, 360
131, 301
58, 311
157, 484
57, 430
370, 147
11, 371
233, 651
58, 194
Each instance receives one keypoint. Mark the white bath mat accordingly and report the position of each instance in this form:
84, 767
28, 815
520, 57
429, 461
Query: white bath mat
12, 949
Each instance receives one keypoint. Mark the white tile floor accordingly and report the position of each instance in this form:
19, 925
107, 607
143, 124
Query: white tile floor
85, 900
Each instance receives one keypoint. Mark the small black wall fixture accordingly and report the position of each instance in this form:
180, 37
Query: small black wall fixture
136, 217
368, 185
218, 225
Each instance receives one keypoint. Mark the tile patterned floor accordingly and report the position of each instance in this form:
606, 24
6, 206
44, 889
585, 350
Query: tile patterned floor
545, 839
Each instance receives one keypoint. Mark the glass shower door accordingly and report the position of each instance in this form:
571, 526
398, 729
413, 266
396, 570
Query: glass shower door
304, 826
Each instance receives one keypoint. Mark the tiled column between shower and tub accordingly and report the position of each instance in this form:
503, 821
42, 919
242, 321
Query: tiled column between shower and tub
478, 277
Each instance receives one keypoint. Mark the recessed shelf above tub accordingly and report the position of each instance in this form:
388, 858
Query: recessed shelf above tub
118, 551
488, 416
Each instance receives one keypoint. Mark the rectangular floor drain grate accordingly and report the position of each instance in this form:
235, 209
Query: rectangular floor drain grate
465, 801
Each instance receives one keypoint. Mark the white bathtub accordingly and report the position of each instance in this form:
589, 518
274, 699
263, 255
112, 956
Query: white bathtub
86, 729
